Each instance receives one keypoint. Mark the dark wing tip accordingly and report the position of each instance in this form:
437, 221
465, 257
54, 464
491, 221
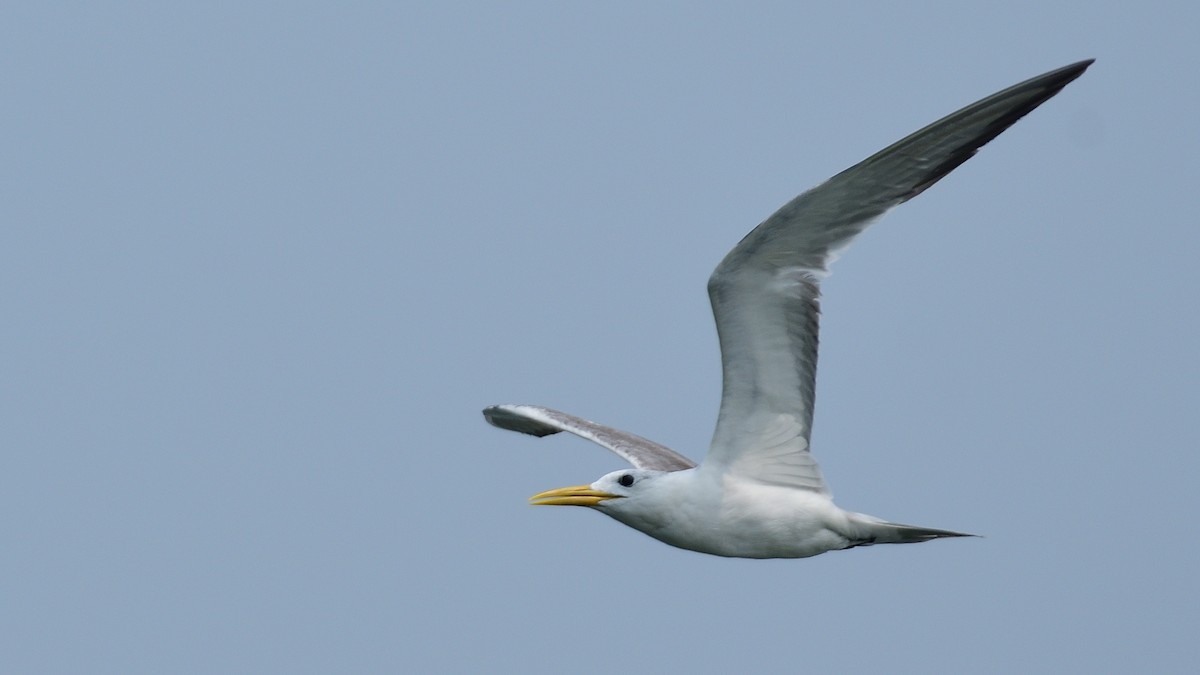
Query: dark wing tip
504, 417
1043, 87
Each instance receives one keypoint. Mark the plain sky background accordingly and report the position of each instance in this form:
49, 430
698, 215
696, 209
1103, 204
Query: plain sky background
262, 264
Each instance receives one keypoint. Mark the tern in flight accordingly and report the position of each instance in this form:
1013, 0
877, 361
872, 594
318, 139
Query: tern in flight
759, 493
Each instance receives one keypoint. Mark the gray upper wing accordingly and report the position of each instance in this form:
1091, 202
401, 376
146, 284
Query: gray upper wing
765, 292
539, 421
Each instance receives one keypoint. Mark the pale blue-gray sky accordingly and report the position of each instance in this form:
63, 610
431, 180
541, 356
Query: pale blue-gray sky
262, 264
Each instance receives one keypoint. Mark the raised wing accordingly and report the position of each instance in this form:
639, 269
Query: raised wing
539, 421
765, 292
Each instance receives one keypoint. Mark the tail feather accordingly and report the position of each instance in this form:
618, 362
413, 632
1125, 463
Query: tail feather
867, 531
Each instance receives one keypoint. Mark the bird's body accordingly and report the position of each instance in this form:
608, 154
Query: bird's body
730, 516
759, 493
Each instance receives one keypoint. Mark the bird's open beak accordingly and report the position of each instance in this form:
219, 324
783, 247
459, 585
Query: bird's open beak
578, 495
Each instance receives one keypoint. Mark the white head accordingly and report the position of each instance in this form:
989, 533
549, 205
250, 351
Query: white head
660, 503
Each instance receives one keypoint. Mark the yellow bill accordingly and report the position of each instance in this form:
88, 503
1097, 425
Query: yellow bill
577, 495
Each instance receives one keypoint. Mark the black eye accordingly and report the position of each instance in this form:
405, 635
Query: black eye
625, 480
